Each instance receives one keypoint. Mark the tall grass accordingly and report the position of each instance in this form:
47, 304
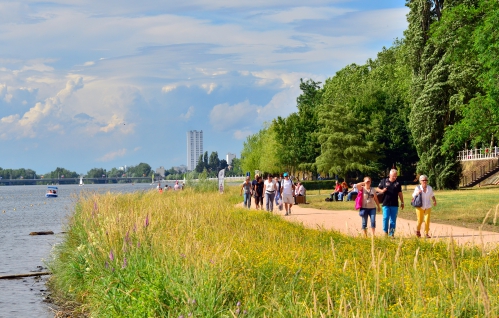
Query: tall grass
194, 254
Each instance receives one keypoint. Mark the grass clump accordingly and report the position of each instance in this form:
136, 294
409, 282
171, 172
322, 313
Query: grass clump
194, 254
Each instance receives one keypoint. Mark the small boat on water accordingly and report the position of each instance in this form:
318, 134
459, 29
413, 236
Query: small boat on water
51, 192
81, 181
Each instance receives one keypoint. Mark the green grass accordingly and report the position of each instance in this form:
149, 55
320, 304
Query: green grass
467, 208
195, 254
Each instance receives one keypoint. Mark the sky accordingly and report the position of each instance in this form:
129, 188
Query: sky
100, 84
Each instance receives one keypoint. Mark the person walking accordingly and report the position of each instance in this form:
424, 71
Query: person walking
287, 193
246, 188
392, 191
423, 213
258, 192
278, 192
369, 204
269, 188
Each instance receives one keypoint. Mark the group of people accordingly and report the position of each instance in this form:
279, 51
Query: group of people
281, 190
392, 194
176, 187
341, 191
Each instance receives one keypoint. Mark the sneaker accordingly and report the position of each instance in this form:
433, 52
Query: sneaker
289, 211
427, 236
418, 234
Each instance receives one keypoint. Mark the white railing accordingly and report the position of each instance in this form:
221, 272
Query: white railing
478, 154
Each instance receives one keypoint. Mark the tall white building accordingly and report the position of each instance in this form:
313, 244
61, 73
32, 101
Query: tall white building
229, 158
194, 148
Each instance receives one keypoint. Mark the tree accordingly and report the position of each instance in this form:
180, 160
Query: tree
96, 173
205, 160
214, 161
345, 125
223, 164
200, 165
59, 172
432, 92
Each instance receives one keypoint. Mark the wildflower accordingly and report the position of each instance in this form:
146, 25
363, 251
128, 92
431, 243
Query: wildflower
124, 263
182, 255
127, 236
138, 244
146, 224
111, 256
237, 311
95, 206
135, 228
87, 269
238, 304
106, 264
193, 302
245, 312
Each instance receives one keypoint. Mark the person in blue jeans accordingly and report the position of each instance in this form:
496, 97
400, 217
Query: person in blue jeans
247, 189
369, 204
392, 191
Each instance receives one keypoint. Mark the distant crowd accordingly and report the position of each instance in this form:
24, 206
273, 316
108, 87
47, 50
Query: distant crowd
279, 190
176, 187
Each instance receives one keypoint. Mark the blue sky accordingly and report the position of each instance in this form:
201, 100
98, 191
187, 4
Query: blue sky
87, 83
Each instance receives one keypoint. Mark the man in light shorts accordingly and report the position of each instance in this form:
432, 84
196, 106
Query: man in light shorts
287, 193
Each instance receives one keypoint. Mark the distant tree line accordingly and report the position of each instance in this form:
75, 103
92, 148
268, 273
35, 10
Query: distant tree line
433, 93
140, 170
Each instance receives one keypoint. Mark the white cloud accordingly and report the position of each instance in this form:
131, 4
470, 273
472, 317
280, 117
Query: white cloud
306, 13
283, 79
112, 123
89, 63
113, 155
241, 134
10, 119
188, 114
168, 88
224, 116
209, 87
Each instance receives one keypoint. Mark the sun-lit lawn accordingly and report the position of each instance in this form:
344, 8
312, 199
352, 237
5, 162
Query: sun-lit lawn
466, 208
191, 254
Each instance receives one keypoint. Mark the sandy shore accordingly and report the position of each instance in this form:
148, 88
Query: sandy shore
349, 222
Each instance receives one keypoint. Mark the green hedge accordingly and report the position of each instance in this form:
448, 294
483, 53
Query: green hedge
319, 184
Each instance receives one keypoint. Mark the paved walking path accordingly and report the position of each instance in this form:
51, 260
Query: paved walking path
349, 222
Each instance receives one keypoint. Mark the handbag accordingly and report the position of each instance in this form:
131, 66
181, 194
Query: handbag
417, 201
358, 200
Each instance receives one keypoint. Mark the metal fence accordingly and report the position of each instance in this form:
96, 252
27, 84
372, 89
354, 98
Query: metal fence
478, 154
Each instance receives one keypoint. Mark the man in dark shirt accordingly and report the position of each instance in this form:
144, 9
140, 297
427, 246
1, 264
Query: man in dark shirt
392, 191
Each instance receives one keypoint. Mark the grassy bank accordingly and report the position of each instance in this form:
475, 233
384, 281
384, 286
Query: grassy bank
195, 254
466, 208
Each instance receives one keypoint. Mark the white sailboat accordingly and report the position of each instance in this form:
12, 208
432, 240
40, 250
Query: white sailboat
81, 181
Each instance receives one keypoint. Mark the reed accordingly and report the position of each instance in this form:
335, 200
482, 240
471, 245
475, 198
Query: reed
188, 253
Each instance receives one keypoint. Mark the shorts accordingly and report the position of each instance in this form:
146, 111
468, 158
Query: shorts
288, 198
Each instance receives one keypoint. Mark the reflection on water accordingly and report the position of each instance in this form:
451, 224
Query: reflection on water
25, 209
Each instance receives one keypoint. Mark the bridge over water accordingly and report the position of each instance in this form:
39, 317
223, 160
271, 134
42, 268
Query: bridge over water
98, 180
73, 180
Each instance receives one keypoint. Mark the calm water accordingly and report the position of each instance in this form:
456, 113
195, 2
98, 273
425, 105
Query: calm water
25, 209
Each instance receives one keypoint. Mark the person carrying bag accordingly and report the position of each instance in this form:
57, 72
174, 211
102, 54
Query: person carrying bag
425, 194
366, 202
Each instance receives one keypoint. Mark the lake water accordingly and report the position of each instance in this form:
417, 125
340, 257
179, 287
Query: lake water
25, 209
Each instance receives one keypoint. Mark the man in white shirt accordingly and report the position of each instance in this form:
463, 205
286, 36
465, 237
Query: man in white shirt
287, 193
269, 189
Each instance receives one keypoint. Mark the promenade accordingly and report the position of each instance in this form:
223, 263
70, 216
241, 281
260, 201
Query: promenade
349, 223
